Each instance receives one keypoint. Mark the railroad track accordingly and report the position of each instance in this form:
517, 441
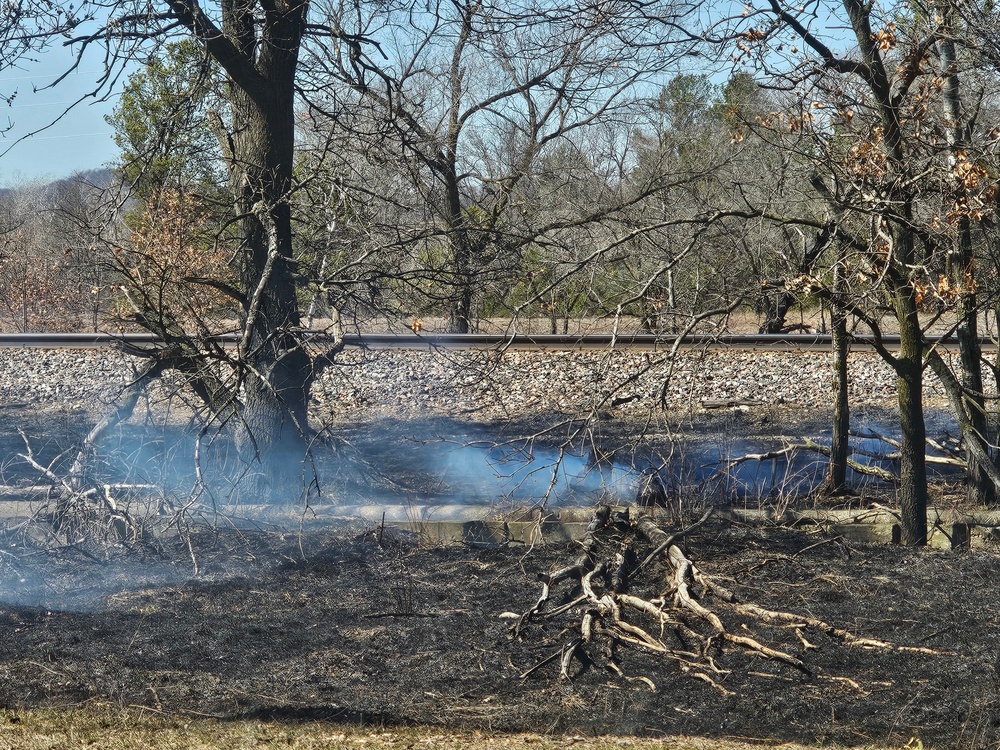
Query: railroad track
632, 342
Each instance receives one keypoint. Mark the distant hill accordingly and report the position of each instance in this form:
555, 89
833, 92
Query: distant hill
98, 178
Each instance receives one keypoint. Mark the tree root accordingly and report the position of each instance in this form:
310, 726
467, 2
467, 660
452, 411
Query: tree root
685, 621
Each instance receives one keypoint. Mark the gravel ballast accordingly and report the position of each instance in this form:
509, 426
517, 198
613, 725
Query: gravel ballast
488, 386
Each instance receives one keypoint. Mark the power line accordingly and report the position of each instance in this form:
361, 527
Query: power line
47, 75
31, 138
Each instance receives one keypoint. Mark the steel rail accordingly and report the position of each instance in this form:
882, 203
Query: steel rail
798, 342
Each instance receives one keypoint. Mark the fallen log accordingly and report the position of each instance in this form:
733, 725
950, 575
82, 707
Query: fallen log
730, 403
948, 459
809, 445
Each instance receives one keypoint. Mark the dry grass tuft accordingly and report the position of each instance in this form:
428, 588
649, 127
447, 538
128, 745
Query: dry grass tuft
109, 728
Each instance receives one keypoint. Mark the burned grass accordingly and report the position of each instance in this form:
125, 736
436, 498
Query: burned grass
331, 626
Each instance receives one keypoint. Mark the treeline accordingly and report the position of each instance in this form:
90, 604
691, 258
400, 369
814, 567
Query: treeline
638, 203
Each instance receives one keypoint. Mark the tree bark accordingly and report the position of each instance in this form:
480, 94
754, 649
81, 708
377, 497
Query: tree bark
273, 369
975, 449
898, 284
912, 493
962, 273
836, 475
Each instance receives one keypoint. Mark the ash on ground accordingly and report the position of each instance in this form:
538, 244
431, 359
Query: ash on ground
373, 626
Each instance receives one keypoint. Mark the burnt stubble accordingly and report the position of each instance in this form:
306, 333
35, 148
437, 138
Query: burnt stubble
373, 626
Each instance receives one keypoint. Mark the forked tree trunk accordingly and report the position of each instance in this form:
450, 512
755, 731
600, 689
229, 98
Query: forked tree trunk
777, 300
776, 306
975, 447
274, 370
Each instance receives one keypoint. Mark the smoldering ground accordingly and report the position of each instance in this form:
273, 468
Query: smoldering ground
305, 621
433, 463
324, 625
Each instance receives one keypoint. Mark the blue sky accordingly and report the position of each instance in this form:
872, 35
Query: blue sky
81, 140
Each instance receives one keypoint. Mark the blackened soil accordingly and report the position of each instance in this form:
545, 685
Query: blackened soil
379, 628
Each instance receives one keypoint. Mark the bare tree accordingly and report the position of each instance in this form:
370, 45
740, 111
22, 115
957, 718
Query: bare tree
890, 179
49, 278
257, 46
469, 96
694, 162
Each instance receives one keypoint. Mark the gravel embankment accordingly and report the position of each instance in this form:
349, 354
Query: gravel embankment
407, 383
484, 386
69, 379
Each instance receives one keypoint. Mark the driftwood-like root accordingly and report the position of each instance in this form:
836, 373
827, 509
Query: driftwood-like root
685, 620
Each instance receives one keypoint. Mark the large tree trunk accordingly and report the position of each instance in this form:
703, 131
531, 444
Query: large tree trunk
900, 289
274, 369
980, 487
909, 389
962, 272
460, 316
461, 251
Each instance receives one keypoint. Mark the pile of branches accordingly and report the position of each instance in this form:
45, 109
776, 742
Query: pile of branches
683, 619
92, 517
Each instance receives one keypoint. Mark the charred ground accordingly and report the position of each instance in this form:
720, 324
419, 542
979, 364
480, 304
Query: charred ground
347, 626
309, 622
